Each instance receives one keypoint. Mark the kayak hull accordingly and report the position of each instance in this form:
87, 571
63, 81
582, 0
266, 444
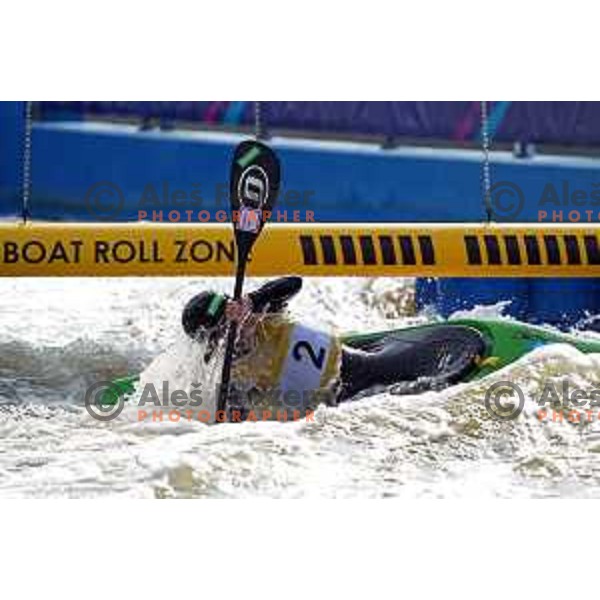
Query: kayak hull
504, 342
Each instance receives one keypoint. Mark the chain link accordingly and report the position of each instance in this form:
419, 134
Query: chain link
27, 156
258, 120
485, 167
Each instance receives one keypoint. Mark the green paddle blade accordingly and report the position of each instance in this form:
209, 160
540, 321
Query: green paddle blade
254, 186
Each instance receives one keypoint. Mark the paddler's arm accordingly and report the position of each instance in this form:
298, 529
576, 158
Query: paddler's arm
274, 295
270, 298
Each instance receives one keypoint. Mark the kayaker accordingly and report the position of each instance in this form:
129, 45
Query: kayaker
308, 365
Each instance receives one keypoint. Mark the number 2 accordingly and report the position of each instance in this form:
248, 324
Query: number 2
317, 360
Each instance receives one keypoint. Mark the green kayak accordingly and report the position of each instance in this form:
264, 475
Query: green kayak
477, 348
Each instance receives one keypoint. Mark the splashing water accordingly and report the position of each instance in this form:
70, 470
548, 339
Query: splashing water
59, 336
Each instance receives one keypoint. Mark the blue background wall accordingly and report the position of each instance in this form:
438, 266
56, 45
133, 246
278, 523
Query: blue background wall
12, 122
345, 182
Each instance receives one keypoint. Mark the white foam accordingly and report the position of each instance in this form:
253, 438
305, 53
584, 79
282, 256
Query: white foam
439, 444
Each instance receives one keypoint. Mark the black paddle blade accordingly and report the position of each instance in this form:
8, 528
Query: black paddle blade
255, 180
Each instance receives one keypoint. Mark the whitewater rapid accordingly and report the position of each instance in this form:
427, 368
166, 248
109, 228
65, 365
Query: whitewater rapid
60, 336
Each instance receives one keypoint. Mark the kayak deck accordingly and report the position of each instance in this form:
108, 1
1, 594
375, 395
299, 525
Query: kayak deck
472, 348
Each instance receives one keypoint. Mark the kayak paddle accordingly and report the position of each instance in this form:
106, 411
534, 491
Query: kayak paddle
254, 185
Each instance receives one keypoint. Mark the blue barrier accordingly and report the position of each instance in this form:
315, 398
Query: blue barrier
339, 182
12, 127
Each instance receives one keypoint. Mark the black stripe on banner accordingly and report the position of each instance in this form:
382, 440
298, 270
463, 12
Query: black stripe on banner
348, 250
493, 249
552, 249
328, 247
573, 253
387, 250
408, 250
473, 250
533, 250
512, 249
591, 248
308, 249
368, 250
427, 251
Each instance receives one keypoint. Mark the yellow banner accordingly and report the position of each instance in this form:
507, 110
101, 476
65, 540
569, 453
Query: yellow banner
406, 250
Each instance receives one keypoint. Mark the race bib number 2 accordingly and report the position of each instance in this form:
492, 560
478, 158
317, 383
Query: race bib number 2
306, 361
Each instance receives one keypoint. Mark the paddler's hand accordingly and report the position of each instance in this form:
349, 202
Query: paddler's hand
238, 310
241, 313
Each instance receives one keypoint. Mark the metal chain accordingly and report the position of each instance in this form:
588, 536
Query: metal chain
27, 156
485, 168
258, 123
